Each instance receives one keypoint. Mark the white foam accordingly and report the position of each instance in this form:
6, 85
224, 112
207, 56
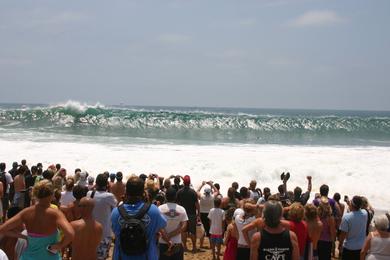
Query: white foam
77, 106
348, 170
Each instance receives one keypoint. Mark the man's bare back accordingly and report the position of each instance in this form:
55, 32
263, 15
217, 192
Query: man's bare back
19, 183
88, 233
118, 189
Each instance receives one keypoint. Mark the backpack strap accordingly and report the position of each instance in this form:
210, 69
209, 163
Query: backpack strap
139, 215
93, 194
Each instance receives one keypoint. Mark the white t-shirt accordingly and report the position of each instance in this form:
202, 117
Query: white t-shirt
216, 216
238, 212
9, 180
255, 195
67, 198
240, 223
3, 256
104, 203
206, 203
174, 214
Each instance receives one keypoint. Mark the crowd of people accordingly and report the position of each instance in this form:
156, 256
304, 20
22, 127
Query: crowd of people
48, 213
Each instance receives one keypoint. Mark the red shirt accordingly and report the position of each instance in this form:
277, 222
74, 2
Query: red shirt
300, 229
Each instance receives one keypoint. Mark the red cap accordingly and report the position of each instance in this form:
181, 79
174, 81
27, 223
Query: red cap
187, 180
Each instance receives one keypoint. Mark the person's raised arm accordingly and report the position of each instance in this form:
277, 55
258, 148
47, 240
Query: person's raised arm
201, 186
213, 188
66, 229
309, 183
254, 246
285, 186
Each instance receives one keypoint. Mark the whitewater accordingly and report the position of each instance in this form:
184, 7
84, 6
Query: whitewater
179, 141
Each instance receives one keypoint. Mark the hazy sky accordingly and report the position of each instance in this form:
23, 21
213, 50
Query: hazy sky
252, 53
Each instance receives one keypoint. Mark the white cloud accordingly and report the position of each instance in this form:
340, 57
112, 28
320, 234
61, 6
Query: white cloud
171, 38
316, 18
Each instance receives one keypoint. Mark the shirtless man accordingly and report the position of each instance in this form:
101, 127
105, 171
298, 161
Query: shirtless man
118, 188
72, 211
20, 187
89, 232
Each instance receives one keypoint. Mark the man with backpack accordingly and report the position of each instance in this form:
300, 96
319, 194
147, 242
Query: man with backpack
135, 224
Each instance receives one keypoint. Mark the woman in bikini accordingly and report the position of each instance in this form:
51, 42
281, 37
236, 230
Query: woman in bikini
42, 223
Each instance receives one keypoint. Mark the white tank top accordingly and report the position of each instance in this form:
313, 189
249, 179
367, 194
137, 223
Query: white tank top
380, 249
240, 223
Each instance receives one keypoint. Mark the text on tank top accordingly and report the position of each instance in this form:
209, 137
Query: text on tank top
275, 246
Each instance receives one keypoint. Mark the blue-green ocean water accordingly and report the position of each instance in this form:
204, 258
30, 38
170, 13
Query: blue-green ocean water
200, 125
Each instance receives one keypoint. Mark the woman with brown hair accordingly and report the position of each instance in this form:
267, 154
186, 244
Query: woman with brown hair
328, 234
42, 223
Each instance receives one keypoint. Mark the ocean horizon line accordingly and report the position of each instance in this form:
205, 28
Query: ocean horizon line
91, 103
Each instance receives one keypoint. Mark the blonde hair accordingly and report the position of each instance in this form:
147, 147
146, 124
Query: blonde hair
296, 212
311, 212
43, 189
149, 184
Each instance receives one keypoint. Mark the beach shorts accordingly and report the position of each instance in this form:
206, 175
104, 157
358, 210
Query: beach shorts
104, 248
18, 200
216, 239
191, 228
5, 201
175, 253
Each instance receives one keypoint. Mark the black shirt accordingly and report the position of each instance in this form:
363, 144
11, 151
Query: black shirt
303, 198
275, 246
187, 198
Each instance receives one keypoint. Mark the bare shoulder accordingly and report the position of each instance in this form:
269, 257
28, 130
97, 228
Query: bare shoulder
293, 237
77, 224
25, 213
98, 226
230, 227
55, 211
